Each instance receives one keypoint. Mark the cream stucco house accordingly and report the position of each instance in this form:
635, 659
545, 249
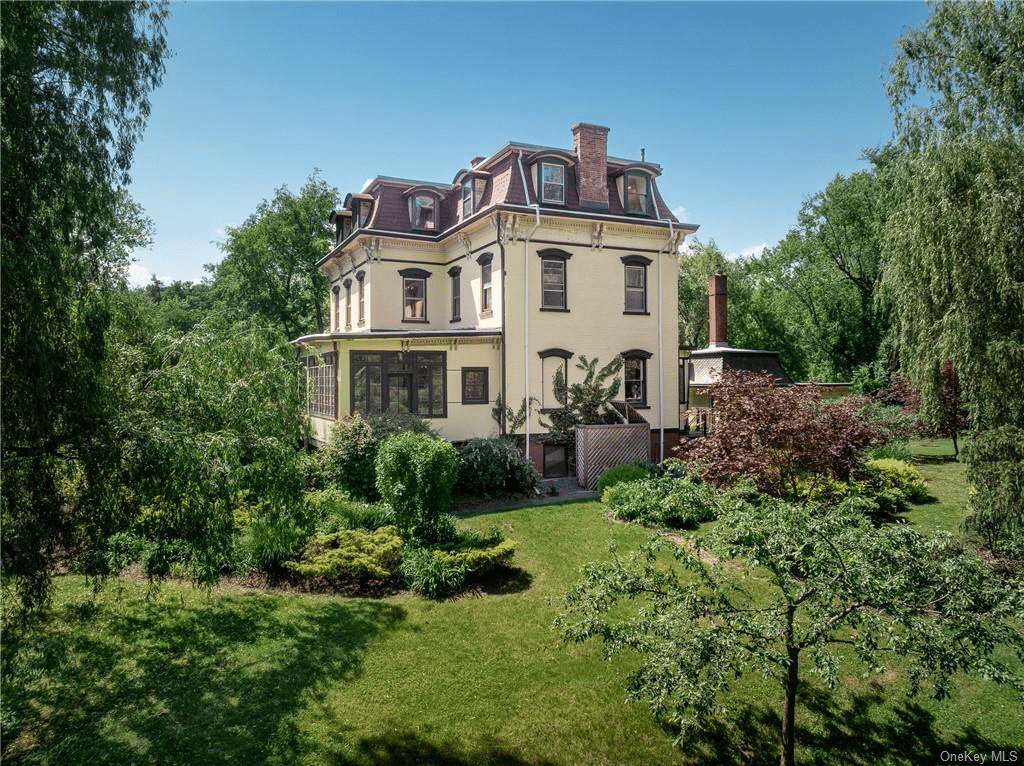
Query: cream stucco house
446, 295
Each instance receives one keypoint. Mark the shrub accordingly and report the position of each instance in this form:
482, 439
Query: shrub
332, 511
415, 474
995, 470
493, 466
270, 539
664, 501
777, 434
432, 573
894, 450
619, 473
899, 478
347, 460
350, 553
443, 570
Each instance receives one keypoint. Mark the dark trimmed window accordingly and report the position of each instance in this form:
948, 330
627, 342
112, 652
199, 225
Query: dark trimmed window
455, 272
322, 385
638, 193
553, 286
348, 303
398, 382
336, 307
486, 293
414, 295
552, 182
634, 376
360, 278
468, 198
361, 212
635, 280
423, 212
474, 385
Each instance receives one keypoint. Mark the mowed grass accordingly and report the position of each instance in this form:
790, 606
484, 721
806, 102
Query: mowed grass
228, 676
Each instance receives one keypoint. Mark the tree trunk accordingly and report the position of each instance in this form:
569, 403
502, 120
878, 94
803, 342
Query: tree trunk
788, 757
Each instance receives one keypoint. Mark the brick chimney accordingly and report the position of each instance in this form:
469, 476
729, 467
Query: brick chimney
718, 310
591, 145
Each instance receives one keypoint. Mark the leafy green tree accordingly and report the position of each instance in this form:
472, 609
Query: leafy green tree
415, 476
954, 236
696, 264
833, 580
269, 267
207, 433
75, 100
826, 274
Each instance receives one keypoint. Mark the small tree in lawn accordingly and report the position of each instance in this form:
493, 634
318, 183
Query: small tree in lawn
833, 579
947, 415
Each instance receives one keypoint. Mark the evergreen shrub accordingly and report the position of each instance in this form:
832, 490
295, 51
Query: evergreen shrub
350, 553
898, 478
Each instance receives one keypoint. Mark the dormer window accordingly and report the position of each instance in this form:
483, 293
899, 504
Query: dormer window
361, 211
638, 193
552, 183
468, 198
423, 212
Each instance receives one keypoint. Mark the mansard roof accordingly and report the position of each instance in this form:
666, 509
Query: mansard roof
504, 178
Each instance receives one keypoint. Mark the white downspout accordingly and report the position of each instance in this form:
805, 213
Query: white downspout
661, 347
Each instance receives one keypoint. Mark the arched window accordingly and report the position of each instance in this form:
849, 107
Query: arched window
634, 376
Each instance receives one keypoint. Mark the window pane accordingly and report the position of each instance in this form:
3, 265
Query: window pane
634, 378
553, 183
399, 392
415, 298
553, 284
636, 194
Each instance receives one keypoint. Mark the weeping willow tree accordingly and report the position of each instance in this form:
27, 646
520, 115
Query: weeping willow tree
955, 236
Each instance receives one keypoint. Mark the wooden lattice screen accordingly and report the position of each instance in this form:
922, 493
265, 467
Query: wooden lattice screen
601, 447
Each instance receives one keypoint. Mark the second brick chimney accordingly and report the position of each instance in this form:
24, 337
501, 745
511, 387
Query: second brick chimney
718, 310
591, 145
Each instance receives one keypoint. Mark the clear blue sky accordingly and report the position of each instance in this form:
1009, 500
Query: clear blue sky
748, 107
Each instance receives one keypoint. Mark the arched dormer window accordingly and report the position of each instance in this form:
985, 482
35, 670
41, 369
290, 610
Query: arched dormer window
424, 208
472, 184
635, 184
551, 176
360, 205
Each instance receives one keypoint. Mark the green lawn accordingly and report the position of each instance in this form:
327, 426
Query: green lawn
228, 676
